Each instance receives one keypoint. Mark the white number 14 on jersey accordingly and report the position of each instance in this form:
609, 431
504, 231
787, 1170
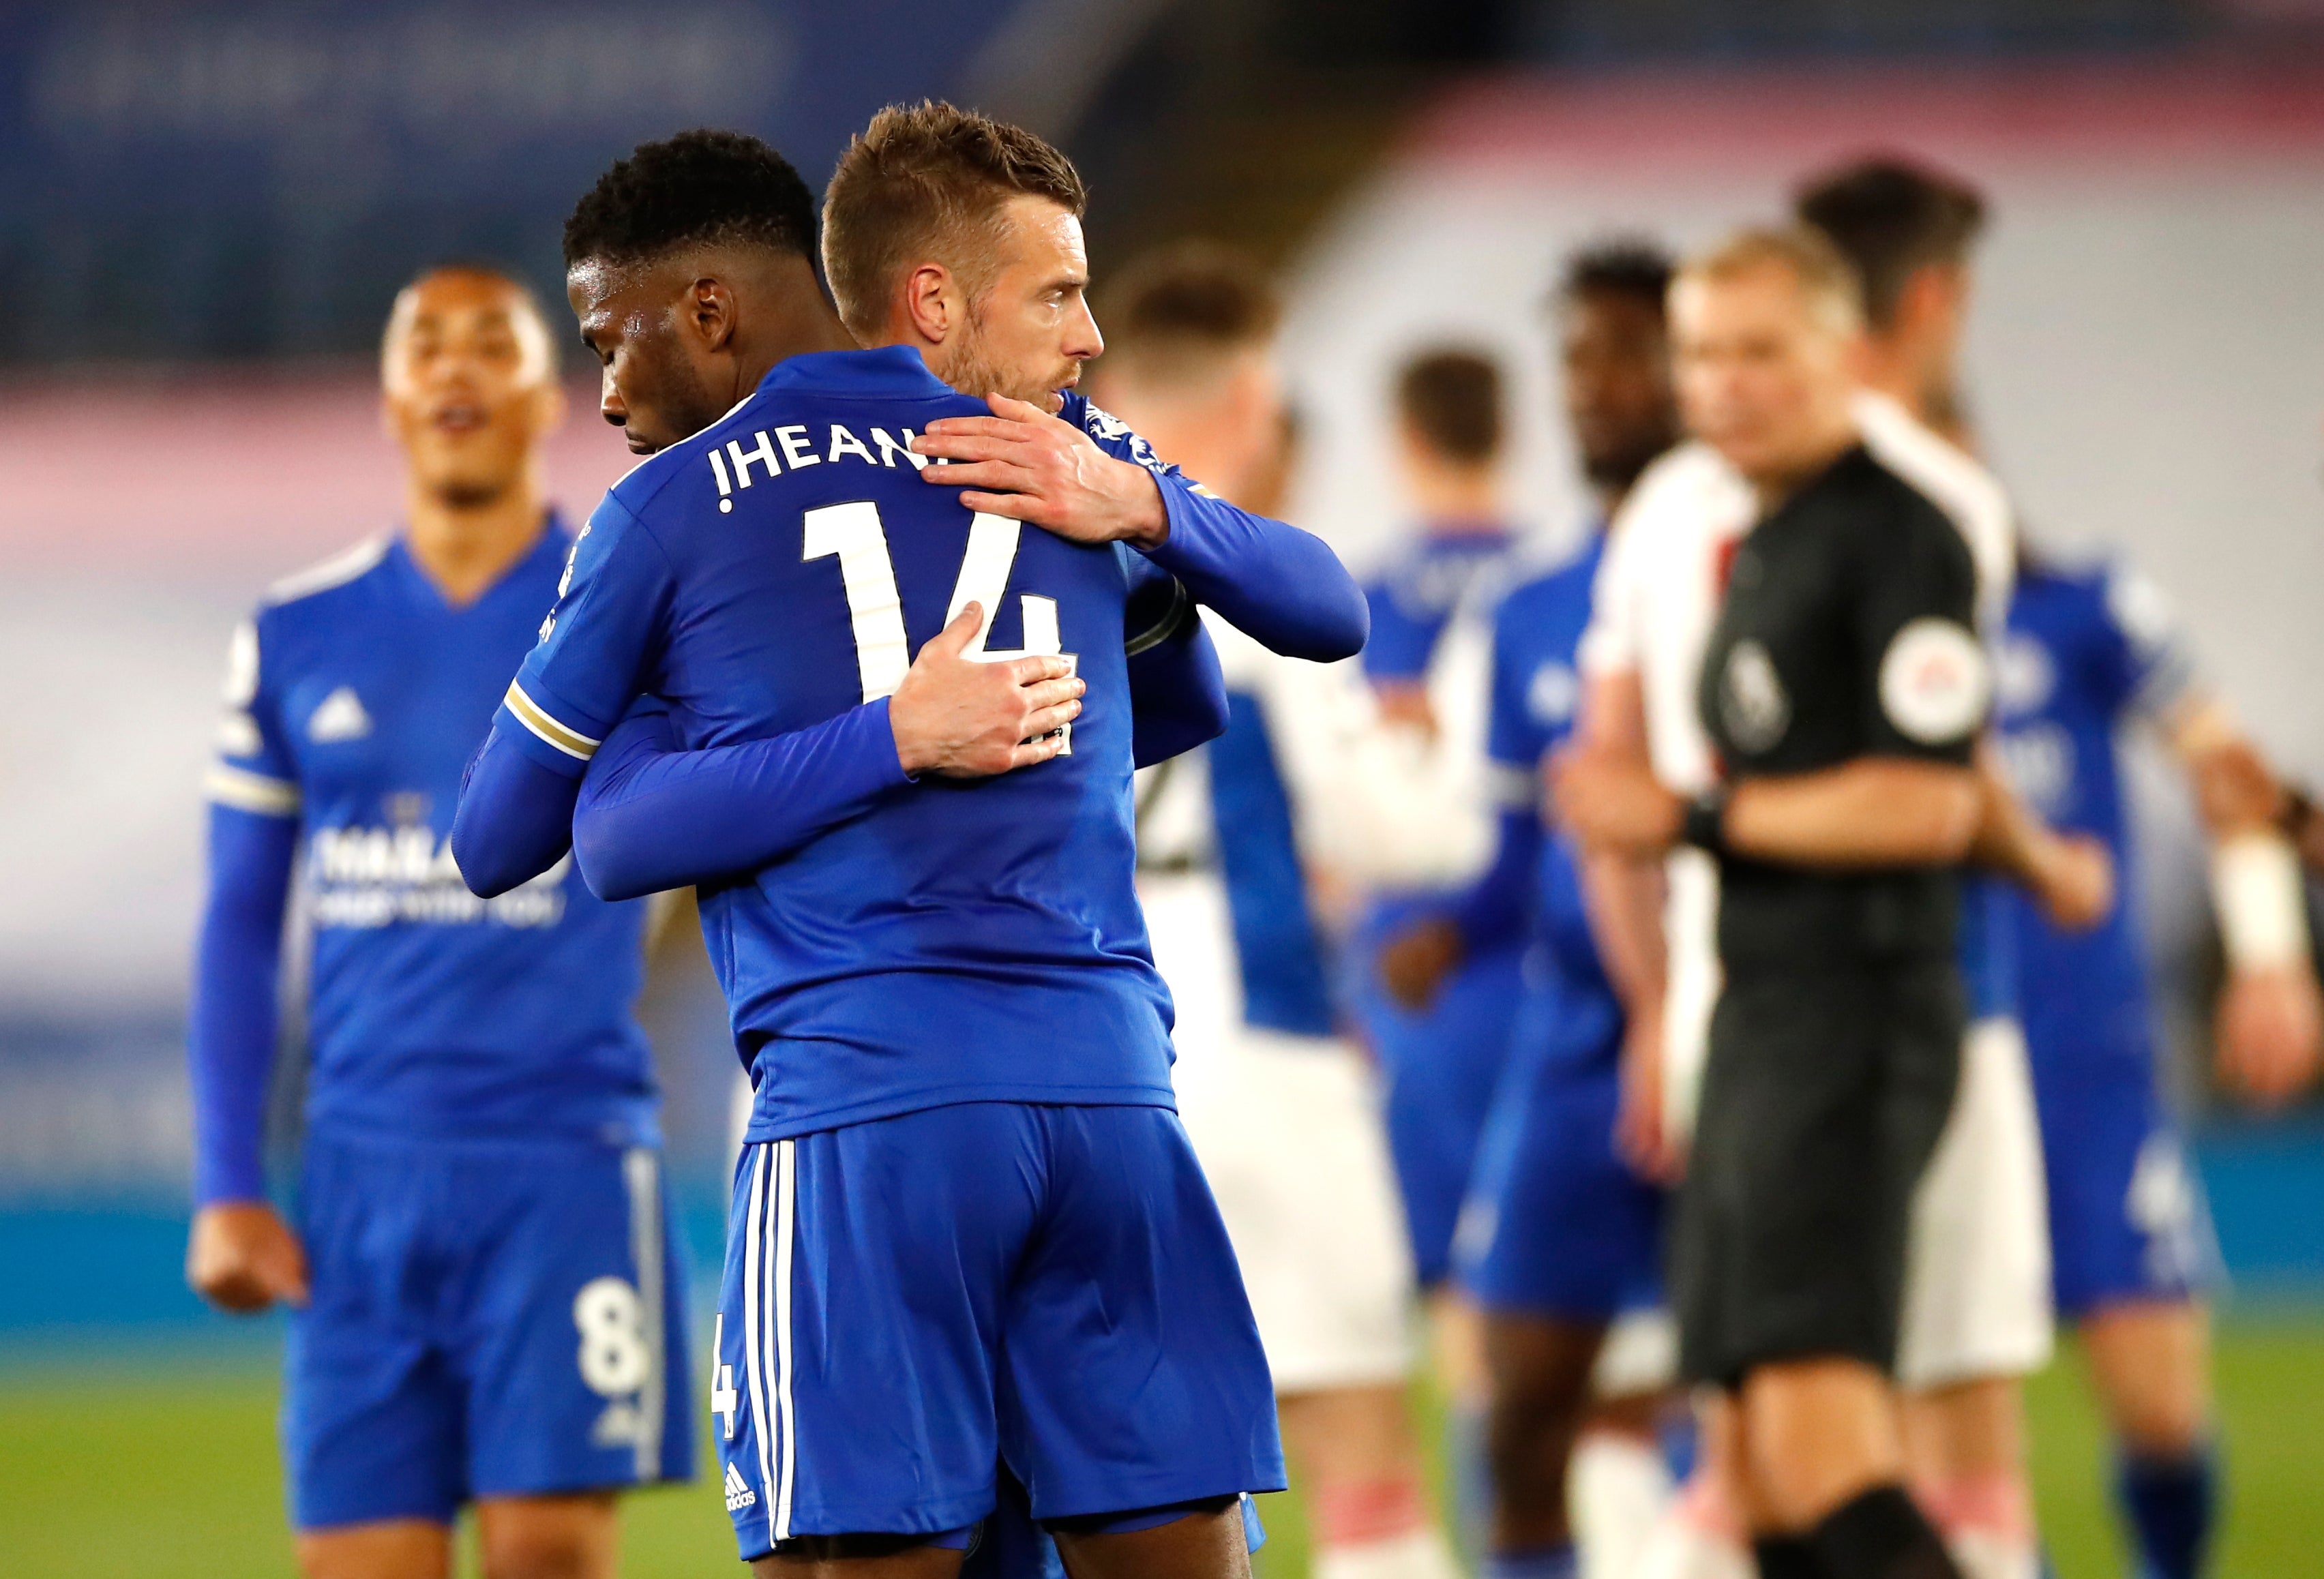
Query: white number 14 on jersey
852, 534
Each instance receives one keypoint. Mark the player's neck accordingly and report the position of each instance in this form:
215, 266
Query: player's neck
1920, 381
463, 547
1456, 501
799, 322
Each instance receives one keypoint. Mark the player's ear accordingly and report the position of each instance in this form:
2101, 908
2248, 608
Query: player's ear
710, 305
931, 302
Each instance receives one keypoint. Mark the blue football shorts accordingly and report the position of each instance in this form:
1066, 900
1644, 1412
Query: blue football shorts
2128, 1221
489, 1319
1557, 1224
911, 1303
1441, 1066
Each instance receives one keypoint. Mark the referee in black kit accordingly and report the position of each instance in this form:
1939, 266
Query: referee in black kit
1843, 687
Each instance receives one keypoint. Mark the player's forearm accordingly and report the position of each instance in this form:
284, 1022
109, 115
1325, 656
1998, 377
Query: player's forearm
1177, 696
1874, 811
515, 819
1624, 899
651, 817
1279, 585
231, 1032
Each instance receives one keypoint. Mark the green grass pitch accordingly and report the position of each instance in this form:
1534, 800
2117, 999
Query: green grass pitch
138, 1465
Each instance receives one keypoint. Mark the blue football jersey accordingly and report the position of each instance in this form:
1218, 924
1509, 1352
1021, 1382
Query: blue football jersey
967, 940
1535, 692
356, 696
1415, 595
2086, 650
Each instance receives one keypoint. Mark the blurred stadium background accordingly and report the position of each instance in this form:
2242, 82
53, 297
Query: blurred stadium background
204, 209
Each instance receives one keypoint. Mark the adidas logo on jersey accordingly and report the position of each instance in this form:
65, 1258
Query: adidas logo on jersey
341, 717
738, 1495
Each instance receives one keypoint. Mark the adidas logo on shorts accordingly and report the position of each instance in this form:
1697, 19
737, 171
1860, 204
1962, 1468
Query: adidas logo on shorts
738, 1495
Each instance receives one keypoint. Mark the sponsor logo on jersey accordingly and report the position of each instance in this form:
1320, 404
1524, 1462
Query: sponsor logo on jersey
339, 717
1753, 704
377, 877
1935, 681
739, 1496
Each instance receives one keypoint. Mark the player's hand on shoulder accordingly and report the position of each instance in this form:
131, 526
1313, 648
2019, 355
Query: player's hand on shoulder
2077, 882
2270, 1033
1611, 803
243, 1257
958, 717
1025, 464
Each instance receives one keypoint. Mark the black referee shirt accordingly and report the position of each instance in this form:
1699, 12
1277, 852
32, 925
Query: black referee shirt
1848, 631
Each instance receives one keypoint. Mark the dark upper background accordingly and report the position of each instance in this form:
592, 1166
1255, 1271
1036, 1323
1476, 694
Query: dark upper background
200, 181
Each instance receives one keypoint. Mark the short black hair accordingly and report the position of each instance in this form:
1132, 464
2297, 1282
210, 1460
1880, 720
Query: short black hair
1631, 266
1890, 216
698, 188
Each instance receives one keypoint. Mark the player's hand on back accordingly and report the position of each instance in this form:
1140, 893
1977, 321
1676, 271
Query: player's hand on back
961, 718
2270, 1033
1025, 464
243, 1257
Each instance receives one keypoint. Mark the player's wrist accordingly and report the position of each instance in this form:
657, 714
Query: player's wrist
1703, 821
1141, 517
2262, 901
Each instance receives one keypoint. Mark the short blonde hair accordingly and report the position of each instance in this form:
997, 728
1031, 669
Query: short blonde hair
1827, 282
929, 181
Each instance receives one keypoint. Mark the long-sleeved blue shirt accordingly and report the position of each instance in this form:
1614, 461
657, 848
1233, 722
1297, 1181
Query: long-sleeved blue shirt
353, 698
768, 575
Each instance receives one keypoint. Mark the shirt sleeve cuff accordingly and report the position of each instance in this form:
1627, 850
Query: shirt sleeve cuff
883, 764
542, 717
223, 1182
512, 728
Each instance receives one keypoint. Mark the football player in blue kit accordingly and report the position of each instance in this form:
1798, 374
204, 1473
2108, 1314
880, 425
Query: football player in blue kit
2087, 652
961, 1136
1437, 1017
485, 1304
1562, 1234
1440, 1058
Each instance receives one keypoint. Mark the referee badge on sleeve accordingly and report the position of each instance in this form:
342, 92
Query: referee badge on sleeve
1935, 681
